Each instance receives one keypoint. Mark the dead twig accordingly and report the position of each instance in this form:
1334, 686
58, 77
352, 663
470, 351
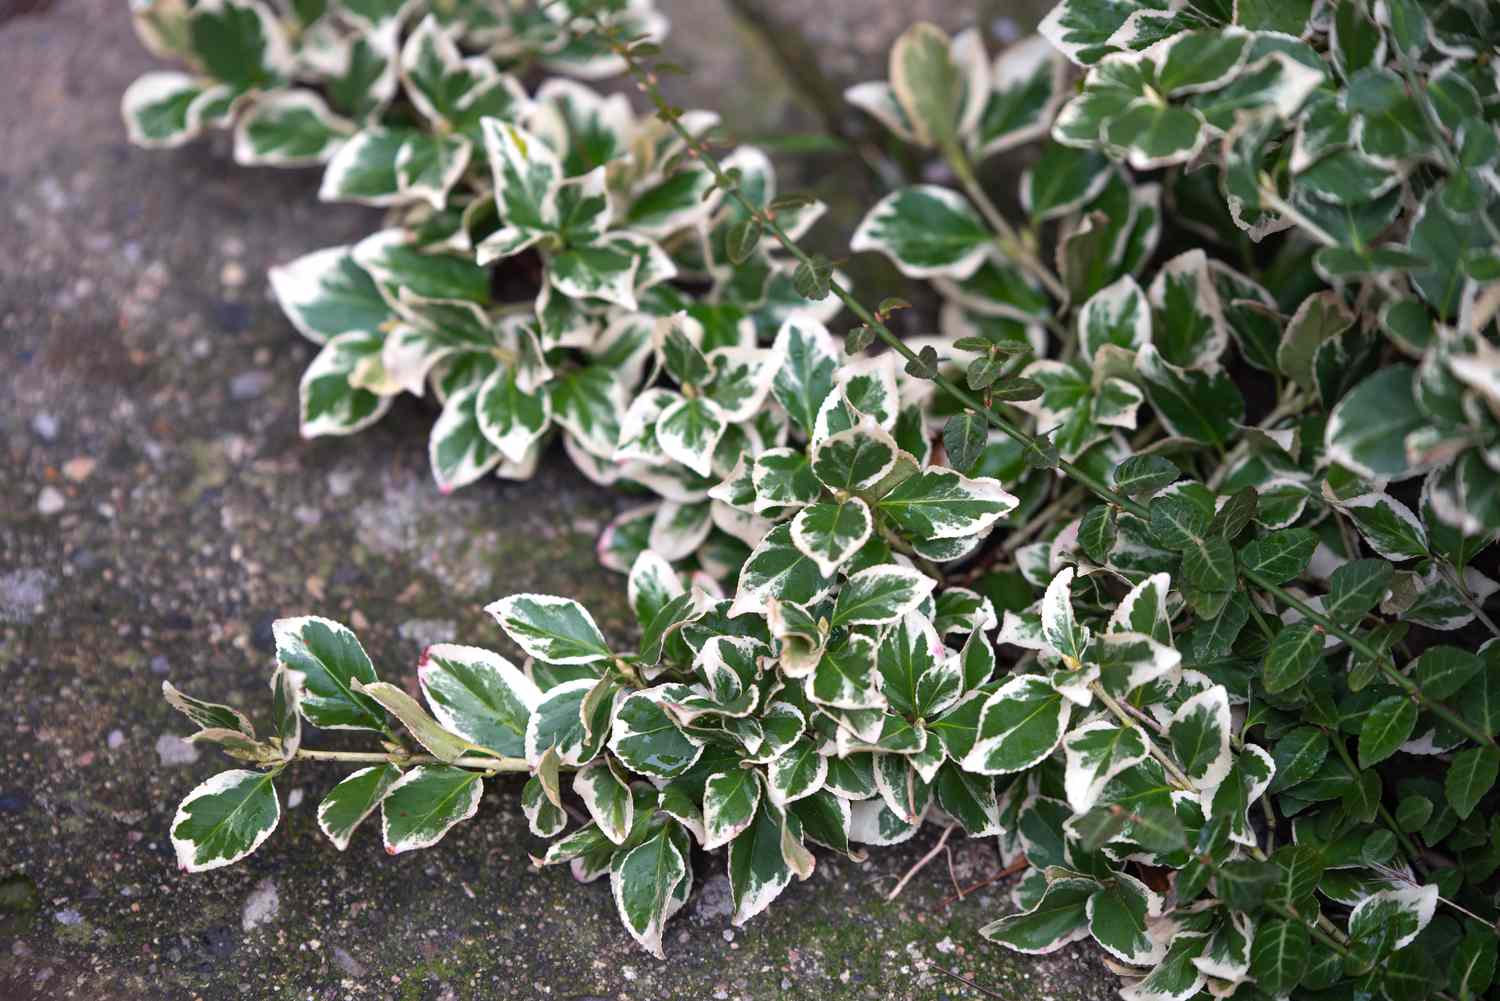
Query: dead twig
1010, 870
921, 862
967, 982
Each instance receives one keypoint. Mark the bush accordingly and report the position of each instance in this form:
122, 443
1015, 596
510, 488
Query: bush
1228, 389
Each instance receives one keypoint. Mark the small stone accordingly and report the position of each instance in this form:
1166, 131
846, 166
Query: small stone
294, 798
69, 917
249, 385
173, 750
358, 621
45, 426
160, 665
426, 632
22, 594
348, 963
50, 501
232, 274
261, 906
307, 514
728, 935
115, 740
341, 481
79, 469
715, 899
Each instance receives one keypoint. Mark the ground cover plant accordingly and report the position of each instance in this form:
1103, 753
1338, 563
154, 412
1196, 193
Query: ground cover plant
1164, 561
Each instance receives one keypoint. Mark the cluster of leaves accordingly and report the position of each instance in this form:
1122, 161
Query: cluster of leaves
1286, 789
1222, 685
832, 699
533, 240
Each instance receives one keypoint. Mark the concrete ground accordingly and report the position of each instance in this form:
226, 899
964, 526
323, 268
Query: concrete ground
159, 511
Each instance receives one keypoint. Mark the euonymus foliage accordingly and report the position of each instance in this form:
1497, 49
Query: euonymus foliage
1163, 561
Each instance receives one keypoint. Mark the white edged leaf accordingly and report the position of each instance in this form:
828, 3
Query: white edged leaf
424, 804
224, 819
830, 533
880, 595
329, 400
926, 231
643, 881
556, 630
291, 128
478, 695
1200, 733
348, 804
325, 293
1020, 724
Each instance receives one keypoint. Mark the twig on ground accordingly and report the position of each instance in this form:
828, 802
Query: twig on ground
967, 982
1018, 866
921, 862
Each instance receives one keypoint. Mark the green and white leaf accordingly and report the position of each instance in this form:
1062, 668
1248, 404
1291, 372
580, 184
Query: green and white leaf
458, 450
1120, 915
758, 870
478, 695
854, 459
1200, 734
810, 359
1058, 919
325, 293
159, 109
556, 630
348, 804
332, 399
798, 771
778, 569
607, 797
1397, 915
428, 732
689, 430
1020, 724
730, 799
332, 660
1095, 753
643, 881
292, 128
512, 419
647, 741
557, 722
926, 231
224, 819
880, 595
830, 533
939, 503
207, 715
425, 804
1060, 627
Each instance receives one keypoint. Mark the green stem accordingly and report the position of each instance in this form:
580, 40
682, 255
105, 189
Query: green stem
477, 762
1010, 241
1175, 773
1381, 659
1410, 847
